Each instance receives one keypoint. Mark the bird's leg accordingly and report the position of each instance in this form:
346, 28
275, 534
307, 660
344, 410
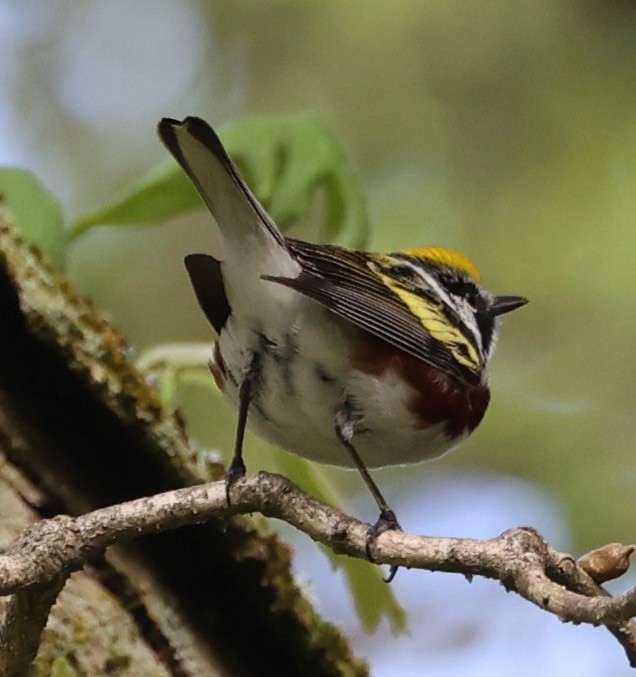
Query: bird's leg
345, 428
236, 469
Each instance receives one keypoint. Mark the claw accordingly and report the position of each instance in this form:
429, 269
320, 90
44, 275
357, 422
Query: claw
235, 471
386, 522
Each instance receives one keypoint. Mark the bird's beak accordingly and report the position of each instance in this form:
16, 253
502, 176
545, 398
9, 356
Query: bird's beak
504, 304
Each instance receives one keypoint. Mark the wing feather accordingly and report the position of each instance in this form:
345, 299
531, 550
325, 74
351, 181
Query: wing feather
343, 281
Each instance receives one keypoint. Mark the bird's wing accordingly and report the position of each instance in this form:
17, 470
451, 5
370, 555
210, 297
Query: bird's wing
354, 285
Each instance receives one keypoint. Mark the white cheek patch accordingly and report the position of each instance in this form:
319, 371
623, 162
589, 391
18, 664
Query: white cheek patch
493, 341
466, 313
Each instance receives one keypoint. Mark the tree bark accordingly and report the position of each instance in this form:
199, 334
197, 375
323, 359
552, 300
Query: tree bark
81, 429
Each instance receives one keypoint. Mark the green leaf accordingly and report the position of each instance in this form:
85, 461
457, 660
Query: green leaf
373, 598
289, 162
36, 211
172, 365
167, 192
294, 166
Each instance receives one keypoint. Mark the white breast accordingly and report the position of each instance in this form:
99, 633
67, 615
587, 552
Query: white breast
305, 378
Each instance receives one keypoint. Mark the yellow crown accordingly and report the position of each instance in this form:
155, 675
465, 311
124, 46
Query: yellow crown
449, 258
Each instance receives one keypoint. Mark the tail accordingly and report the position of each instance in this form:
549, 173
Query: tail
197, 148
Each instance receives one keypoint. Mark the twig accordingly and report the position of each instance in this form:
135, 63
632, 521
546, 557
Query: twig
519, 558
22, 623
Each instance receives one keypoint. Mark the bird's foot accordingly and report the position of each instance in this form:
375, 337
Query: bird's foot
235, 471
386, 522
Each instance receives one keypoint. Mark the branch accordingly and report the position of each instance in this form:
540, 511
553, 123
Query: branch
22, 623
519, 558
90, 397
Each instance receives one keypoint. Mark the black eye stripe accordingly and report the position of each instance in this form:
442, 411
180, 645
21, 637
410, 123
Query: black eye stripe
460, 287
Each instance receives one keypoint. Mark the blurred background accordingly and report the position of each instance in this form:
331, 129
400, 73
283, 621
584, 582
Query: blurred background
504, 129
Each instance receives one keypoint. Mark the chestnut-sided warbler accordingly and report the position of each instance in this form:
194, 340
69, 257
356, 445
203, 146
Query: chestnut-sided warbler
342, 356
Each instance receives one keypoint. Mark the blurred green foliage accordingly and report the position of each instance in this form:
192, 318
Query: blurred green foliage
286, 161
506, 130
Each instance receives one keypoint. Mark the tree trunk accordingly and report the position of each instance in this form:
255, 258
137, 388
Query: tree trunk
80, 428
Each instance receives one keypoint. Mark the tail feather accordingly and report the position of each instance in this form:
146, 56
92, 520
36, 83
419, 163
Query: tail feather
197, 148
207, 280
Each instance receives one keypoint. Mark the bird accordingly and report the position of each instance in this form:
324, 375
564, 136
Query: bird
344, 357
